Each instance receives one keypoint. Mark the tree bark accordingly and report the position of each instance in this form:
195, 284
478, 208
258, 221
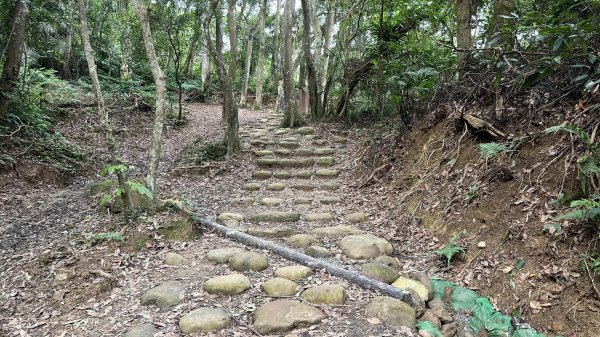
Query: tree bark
249, 46
232, 137
463, 36
329, 21
275, 55
189, 60
290, 115
12, 58
313, 91
111, 143
125, 40
159, 81
65, 71
260, 63
499, 22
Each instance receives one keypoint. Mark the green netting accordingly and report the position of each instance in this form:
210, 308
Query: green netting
527, 333
428, 327
462, 299
486, 317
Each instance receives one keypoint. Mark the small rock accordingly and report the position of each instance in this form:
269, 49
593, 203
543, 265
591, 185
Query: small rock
325, 294
417, 302
303, 187
287, 162
481, 244
278, 286
248, 261
262, 174
289, 145
280, 316
440, 311
141, 330
301, 240
273, 216
242, 201
422, 277
307, 130
406, 283
357, 217
318, 252
165, 295
323, 152
305, 174
325, 161
222, 255
326, 173
331, 200
330, 186
276, 187
365, 246
388, 261
266, 162
380, 272
282, 175
293, 273
262, 153
271, 232
302, 201
304, 152
230, 216
340, 140
431, 317
203, 320
174, 259
335, 231
391, 311
231, 284
251, 187
271, 201
449, 330
283, 152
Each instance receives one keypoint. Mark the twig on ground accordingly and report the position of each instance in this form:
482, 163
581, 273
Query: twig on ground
103, 274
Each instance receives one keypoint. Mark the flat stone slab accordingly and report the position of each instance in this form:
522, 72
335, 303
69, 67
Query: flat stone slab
271, 232
303, 187
141, 330
230, 216
302, 201
418, 287
280, 316
222, 255
251, 187
266, 162
301, 240
276, 187
165, 295
262, 174
325, 294
248, 261
318, 252
340, 140
391, 311
304, 152
274, 216
174, 259
271, 201
242, 201
330, 186
231, 284
335, 231
323, 152
325, 161
364, 246
317, 217
289, 145
288, 162
304, 174
262, 153
319, 142
283, 152
330, 200
327, 173
306, 162
282, 131
258, 143
279, 286
294, 273
357, 217
380, 272
306, 130
282, 175
204, 320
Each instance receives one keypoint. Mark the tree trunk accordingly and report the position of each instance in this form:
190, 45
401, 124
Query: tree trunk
159, 81
205, 65
111, 143
125, 39
232, 137
275, 55
65, 71
329, 21
260, 63
189, 60
463, 35
290, 115
313, 91
12, 58
244, 93
499, 23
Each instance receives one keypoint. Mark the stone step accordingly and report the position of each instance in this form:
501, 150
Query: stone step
284, 162
274, 216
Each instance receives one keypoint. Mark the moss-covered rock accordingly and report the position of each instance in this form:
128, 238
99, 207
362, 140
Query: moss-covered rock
179, 231
105, 186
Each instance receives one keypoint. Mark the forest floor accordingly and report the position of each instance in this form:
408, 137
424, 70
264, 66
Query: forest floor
54, 282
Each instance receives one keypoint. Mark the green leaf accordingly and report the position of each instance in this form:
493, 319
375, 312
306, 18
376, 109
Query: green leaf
519, 264
558, 43
105, 198
577, 214
579, 78
143, 190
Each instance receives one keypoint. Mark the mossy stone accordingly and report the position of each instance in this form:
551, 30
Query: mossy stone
294, 273
304, 152
266, 162
275, 217
325, 294
380, 272
302, 201
251, 187
327, 173
231, 284
279, 286
262, 174
305, 174
204, 320
179, 231
357, 217
248, 261
105, 186
325, 161
271, 201
276, 187
282, 175
301, 240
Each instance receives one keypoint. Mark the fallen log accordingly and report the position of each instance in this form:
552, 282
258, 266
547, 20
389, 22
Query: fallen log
309, 261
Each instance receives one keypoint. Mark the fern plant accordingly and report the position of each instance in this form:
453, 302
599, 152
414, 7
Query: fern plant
490, 150
96, 238
452, 249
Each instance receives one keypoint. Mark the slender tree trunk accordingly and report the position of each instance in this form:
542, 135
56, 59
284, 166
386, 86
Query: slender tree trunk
313, 91
65, 71
244, 93
232, 137
275, 56
290, 116
111, 143
125, 39
499, 22
159, 81
463, 36
329, 21
12, 58
189, 60
260, 63
205, 66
